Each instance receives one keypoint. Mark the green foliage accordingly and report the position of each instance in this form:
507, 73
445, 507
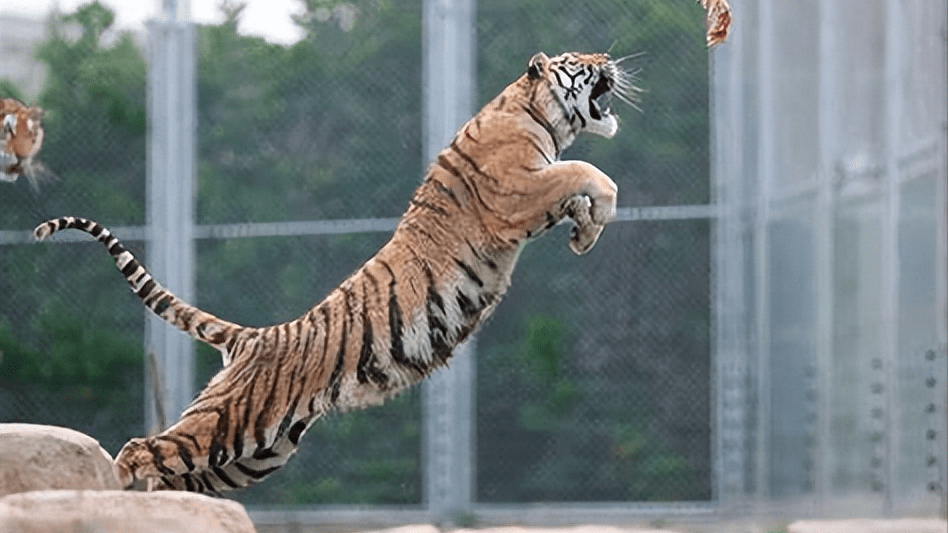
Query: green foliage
89, 77
94, 97
80, 377
85, 360
645, 470
543, 357
543, 347
327, 128
8, 89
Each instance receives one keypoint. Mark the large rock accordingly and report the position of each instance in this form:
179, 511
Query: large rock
869, 526
34, 457
70, 511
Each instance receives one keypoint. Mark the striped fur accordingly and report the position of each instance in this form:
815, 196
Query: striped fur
398, 317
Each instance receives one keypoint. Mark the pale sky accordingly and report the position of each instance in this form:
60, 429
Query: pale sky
265, 18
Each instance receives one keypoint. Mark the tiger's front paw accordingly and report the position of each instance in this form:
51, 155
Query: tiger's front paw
585, 232
583, 238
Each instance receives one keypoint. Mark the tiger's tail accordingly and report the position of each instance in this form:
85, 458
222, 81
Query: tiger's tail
201, 325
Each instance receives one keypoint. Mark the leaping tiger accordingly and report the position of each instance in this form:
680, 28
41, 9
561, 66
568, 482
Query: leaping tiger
396, 319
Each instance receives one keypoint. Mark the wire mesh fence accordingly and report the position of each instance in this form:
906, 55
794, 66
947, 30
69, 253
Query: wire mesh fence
71, 353
596, 381
71, 347
545, 431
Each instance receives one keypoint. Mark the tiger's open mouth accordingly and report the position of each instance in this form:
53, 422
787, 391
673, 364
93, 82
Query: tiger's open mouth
599, 98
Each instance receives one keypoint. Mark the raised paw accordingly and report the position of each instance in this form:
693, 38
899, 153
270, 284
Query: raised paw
582, 239
585, 232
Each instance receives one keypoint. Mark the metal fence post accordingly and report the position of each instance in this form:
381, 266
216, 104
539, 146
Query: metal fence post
170, 197
731, 264
448, 35
826, 208
891, 200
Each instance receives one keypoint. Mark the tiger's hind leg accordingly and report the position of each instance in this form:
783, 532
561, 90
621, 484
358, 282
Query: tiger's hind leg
212, 448
168, 467
146, 459
161, 457
191, 446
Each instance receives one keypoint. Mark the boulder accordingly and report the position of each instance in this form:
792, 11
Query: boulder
35, 457
72, 511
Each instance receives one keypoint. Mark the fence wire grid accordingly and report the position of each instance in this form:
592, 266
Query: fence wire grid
596, 381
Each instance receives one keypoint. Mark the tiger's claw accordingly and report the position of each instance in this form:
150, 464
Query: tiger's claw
585, 232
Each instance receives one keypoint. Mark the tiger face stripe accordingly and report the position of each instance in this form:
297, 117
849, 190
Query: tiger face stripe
398, 317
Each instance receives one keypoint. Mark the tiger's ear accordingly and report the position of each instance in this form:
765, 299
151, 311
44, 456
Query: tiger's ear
537, 65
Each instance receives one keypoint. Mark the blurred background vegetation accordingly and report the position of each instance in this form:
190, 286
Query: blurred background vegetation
592, 379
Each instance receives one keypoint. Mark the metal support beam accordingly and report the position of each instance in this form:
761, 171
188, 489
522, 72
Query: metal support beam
765, 176
889, 300
828, 94
732, 256
448, 94
169, 231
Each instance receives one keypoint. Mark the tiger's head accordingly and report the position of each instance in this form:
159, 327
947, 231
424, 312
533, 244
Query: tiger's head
21, 137
23, 130
582, 86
